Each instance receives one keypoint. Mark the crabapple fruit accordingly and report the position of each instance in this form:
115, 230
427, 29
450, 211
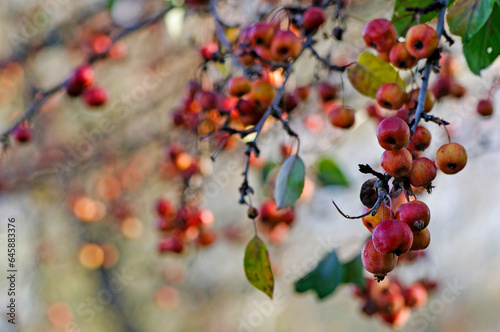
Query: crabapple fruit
415, 213
380, 34
342, 117
422, 172
392, 236
397, 163
376, 263
421, 41
451, 158
393, 133
391, 96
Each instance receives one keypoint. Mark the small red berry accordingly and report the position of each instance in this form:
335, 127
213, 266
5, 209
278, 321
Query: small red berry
397, 163
313, 18
95, 96
421, 41
484, 107
393, 133
392, 236
380, 34
375, 262
451, 158
82, 78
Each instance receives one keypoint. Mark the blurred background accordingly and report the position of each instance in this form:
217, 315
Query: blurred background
83, 191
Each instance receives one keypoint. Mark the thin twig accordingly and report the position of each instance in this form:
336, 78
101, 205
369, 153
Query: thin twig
44, 96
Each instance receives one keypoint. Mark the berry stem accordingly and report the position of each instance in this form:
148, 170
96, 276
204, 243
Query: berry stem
430, 63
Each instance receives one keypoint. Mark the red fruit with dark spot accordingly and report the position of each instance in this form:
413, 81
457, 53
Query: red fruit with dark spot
421, 138
392, 236
391, 96
95, 97
421, 41
285, 45
401, 58
451, 158
164, 208
261, 34
239, 86
416, 214
380, 34
393, 133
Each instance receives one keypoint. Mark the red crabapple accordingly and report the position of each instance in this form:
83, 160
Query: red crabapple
285, 45
421, 240
342, 117
422, 172
397, 163
415, 213
484, 107
380, 34
451, 158
376, 263
313, 18
393, 133
421, 138
391, 96
421, 41
400, 57
392, 236
95, 96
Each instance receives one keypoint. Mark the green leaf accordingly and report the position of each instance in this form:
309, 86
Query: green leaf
325, 277
110, 3
353, 272
267, 169
466, 17
290, 182
329, 173
484, 47
258, 267
402, 19
370, 73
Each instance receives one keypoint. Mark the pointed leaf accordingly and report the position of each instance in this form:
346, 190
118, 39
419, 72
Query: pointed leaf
330, 174
353, 272
484, 47
258, 267
325, 277
466, 17
370, 73
290, 182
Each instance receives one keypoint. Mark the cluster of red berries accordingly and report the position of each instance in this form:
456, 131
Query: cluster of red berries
187, 224
391, 300
421, 41
265, 42
397, 232
276, 223
81, 83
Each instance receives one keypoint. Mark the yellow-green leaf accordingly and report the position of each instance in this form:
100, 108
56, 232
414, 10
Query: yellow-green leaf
258, 267
370, 73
